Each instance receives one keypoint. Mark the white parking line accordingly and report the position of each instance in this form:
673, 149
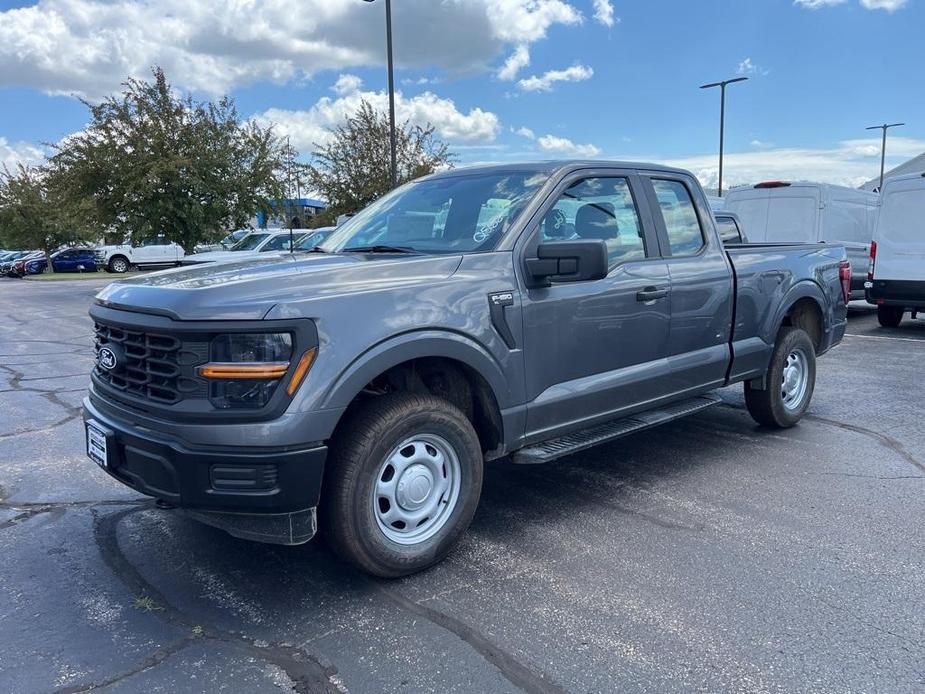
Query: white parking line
885, 337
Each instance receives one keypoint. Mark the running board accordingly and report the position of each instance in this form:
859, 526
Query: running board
608, 431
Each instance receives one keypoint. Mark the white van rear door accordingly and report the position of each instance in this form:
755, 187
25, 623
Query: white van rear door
901, 232
751, 205
793, 215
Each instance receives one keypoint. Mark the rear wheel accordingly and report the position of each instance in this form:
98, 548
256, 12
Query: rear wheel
890, 316
402, 484
118, 264
790, 381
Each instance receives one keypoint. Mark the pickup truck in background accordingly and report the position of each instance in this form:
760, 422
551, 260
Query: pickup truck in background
527, 311
151, 253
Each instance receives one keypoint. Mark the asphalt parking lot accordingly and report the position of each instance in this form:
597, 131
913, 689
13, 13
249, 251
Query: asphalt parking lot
708, 555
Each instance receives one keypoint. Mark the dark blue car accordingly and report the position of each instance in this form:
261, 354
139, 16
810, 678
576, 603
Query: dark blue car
74, 260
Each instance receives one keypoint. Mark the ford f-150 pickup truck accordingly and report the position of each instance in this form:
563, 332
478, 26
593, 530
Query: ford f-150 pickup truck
526, 311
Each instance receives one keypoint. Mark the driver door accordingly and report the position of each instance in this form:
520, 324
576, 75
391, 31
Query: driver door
596, 349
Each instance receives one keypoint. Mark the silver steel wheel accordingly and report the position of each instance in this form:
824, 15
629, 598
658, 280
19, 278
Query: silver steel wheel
794, 380
416, 489
119, 265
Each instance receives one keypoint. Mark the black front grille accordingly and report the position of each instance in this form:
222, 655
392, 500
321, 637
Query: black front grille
152, 366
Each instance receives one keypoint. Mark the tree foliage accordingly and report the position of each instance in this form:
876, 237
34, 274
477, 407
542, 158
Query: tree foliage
30, 216
150, 162
353, 168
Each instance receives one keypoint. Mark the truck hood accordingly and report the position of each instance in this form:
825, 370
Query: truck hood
249, 289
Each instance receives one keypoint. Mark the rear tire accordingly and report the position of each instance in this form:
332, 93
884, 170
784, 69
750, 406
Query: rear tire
790, 381
402, 483
890, 316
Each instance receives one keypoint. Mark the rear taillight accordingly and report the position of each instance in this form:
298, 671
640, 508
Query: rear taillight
844, 276
873, 261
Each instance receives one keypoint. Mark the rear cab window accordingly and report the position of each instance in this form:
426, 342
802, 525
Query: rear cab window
682, 225
728, 230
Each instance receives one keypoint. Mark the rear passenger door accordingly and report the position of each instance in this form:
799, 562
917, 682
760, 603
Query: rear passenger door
702, 296
594, 349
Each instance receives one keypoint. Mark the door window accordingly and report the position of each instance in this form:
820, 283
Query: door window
685, 237
728, 231
598, 208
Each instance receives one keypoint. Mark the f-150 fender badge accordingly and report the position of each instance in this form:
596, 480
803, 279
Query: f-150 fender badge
497, 308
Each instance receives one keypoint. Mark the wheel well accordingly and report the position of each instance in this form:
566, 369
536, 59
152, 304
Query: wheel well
806, 315
452, 380
117, 255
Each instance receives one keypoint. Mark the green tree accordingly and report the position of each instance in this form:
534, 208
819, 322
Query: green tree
30, 217
150, 162
353, 168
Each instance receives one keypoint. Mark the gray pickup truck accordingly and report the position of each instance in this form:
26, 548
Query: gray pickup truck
526, 311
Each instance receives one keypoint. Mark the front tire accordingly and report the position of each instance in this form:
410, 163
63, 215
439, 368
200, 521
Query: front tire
791, 378
402, 484
118, 265
890, 316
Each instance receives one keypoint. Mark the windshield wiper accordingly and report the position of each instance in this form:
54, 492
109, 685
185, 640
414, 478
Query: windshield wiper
313, 249
380, 249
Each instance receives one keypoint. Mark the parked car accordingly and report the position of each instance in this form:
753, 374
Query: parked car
6, 262
439, 329
225, 244
729, 227
810, 212
313, 238
34, 263
74, 260
150, 253
251, 245
896, 278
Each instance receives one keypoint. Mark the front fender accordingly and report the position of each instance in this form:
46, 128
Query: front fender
415, 345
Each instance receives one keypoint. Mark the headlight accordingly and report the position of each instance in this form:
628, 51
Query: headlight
246, 368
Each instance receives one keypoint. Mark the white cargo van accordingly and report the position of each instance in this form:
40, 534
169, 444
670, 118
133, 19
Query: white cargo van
896, 279
810, 212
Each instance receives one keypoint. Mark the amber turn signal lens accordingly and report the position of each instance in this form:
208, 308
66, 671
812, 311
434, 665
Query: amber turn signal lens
305, 363
240, 371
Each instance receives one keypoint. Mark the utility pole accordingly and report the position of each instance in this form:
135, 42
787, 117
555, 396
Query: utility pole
884, 127
722, 122
388, 45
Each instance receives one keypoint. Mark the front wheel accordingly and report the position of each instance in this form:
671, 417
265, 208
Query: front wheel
790, 381
402, 484
118, 265
890, 316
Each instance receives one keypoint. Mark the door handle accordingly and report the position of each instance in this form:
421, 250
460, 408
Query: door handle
651, 294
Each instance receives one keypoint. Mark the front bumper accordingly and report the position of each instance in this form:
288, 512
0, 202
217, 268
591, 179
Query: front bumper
262, 493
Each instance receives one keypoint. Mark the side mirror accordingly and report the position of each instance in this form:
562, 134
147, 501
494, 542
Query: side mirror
568, 261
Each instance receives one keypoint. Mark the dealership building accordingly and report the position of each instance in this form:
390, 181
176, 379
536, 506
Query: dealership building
293, 211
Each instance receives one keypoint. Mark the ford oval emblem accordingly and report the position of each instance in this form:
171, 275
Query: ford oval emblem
107, 358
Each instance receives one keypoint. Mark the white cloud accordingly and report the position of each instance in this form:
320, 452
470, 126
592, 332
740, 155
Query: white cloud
603, 12
307, 127
888, 5
518, 60
88, 47
850, 162
747, 67
545, 82
562, 145
524, 131
347, 84
12, 154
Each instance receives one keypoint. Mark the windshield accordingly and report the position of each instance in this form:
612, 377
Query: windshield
249, 243
455, 214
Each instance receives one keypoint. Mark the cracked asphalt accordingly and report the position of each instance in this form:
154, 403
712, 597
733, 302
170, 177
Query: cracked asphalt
707, 555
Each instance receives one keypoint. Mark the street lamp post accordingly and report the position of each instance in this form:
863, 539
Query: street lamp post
388, 44
884, 127
722, 121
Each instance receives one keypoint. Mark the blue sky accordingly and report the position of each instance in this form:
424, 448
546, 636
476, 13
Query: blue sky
504, 80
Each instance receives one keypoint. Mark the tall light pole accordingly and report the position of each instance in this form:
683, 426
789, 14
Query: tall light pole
884, 127
722, 121
388, 44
